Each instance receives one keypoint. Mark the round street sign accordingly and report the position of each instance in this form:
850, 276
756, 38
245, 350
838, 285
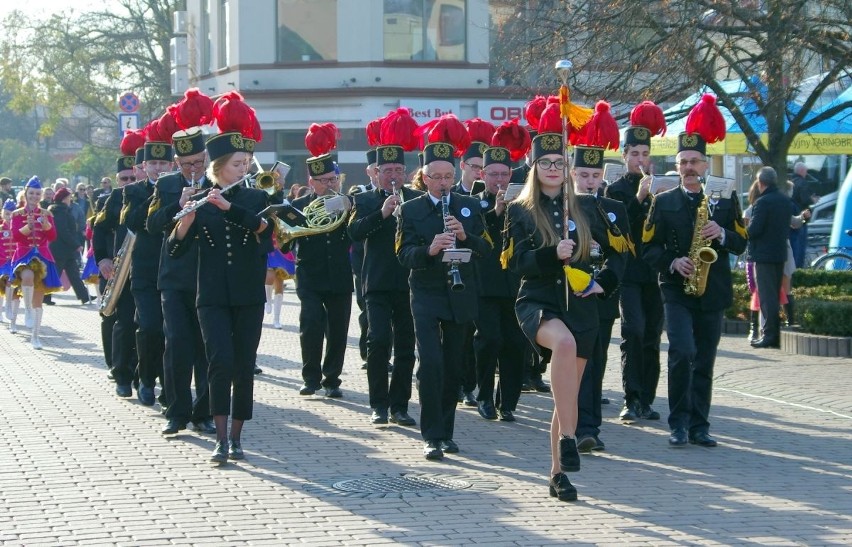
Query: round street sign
128, 102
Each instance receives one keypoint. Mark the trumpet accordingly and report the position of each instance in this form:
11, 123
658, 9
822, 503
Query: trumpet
196, 205
270, 181
398, 193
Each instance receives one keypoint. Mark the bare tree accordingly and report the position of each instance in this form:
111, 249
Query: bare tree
664, 50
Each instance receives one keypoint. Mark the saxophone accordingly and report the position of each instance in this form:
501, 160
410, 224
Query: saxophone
700, 253
115, 284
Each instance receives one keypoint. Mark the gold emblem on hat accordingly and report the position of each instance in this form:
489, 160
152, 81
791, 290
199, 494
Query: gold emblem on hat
551, 142
317, 167
183, 146
158, 151
237, 142
128, 162
592, 157
642, 133
442, 151
497, 154
248, 144
390, 154
689, 140
482, 146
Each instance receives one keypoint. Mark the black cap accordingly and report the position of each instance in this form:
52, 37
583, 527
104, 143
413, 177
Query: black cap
371, 156
390, 154
125, 162
188, 143
224, 144
140, 156
158, 151
546, 143
635, 135
497, 154
691, 141
320, 165
475, 150
591, 157
439, 151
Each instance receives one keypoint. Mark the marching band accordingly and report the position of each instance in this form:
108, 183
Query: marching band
457, 270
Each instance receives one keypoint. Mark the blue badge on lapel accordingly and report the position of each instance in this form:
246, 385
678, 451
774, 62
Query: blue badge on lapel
571, 225
465, 212
611, 216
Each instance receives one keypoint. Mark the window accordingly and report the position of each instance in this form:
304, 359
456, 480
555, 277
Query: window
307, 30
206, 38
425, 30
223, 43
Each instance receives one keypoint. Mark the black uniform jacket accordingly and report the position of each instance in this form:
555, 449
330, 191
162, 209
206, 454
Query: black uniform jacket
176, 273
769, 229
419, 221
322, 260
542, 274
668, 235
68, 239
478, 186
494, 280
624, 190
231, 256
108, 232
145, 259
381, 270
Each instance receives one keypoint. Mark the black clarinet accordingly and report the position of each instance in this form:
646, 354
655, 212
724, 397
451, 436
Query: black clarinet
457, 285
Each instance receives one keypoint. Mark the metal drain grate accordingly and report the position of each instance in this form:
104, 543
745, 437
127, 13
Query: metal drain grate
401, 484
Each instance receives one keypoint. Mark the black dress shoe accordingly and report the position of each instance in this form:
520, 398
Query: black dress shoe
540, 385
257, 370
678, 438
205, 426
506, 415
628, 413
145, 394
703, 439
526, 385
486, 410
220, 453
333, 392
401, 417
110, 375
765, 343
431, 451
586, 444
569, 458
235, 450
173, 426
604, 401
646, 412
379, 416
308, 390
364, 365
449, 446
123, 390
469, 399
562, 489
599, 445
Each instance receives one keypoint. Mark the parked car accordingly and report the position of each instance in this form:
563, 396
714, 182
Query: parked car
819, 226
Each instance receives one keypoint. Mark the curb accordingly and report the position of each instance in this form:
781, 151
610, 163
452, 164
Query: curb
796, 342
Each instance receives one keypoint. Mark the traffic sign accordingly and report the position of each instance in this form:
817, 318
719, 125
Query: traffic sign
128, 102
127, 122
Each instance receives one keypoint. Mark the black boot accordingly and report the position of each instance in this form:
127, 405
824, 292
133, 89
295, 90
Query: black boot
754, 333
788, 311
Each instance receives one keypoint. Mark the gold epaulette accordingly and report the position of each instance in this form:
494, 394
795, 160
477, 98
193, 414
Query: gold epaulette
649, 227
155, 204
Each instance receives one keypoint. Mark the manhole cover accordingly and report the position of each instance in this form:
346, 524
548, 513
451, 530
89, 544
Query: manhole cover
401, 484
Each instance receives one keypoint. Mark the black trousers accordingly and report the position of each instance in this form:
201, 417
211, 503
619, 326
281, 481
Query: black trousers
149, 335
389, 316
124, 356
768, 276
439, 345
324, 315
589, 416
183, 358
72, 270
363, 323
107, 324
641, 326
231, 336
499, 338
693, 338
467, 372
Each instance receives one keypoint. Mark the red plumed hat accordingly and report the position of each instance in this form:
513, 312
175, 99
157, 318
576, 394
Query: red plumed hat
514, 137
398, 128
374, 132
480, 130
132, 141
193, 110
152, 131
167, 126
601, 130
650, 116
321, 138
533, 110
551, 119
447, 129
706, 120
232, 114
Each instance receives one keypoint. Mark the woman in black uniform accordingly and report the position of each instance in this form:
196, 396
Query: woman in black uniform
535, 249
233, 242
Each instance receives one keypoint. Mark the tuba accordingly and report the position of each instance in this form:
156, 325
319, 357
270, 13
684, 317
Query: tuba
324, 214
115, 284
700, 253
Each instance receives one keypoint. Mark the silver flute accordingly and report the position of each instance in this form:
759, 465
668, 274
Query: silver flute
196, 205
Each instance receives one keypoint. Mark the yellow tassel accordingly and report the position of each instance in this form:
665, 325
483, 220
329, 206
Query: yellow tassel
155, 204
397, 242
740, 229
618, 242
576, 115
487, 237
124, 211
101, 216
578, 280
648, 231
507, 253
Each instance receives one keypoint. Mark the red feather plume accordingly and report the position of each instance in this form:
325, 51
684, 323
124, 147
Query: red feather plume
650, 116
448, 129
168, 126
374, 132
132, 141
152, 131
513, 136
232, 114
551, 119
321, 138
601, 129
194, 109
398, 128
479, 130
706, 119
533, 110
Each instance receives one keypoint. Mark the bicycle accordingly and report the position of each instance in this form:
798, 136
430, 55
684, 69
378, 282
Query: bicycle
839, 259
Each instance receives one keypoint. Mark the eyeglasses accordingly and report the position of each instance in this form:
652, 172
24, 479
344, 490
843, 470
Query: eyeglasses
497, 175
392, 171
474, 166
326, 180
130, 178
693, 161
188, 164
547, 164
439, 178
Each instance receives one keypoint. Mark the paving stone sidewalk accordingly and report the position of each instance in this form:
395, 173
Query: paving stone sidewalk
82, 467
